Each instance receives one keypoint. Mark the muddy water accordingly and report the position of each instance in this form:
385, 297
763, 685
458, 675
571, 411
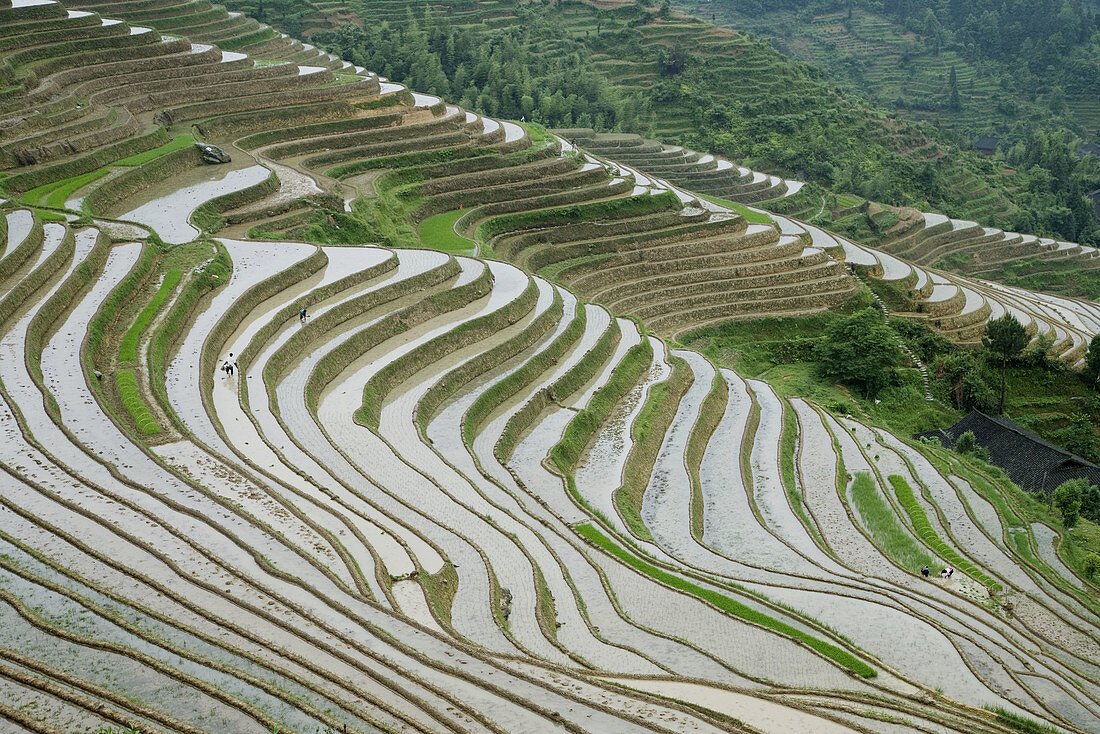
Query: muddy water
410, 600
133, 588
1044, 541
252, 263
245, 437
976, 545
529, 521
445, 430
87, 623
762, 714
131, 677
60, 714
668, 718
208, 471
512, 131
889, 462
729, 524
818, 466
667, 499
468, 509
939, 601
746, 649
20, 223
52, 235
83, 416
600, 472
368, 480
768, 489
533, 449
169, 215
395, 557
597, 321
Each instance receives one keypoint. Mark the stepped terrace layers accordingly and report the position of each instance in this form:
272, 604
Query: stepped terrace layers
909, 263
456, 496
397, 516
319, 138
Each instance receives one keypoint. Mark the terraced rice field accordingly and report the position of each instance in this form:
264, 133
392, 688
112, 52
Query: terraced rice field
465, 493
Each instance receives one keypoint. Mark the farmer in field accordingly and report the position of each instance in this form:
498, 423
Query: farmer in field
230, 365
302, 315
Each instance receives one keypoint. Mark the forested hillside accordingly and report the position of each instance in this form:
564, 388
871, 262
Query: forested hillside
974, 68
684, 81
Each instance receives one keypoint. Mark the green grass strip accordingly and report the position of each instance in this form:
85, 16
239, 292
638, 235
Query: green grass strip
580, 430
928, 534
751, 215
787, 449
1020, 723
438, 233
130, 395
57, 193
513, 383
725, 603
45, 215
885, 527
128, 349
177, 143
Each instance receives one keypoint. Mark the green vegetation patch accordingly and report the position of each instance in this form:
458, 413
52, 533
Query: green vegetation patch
438, 233
751, 216
128, 348
725, 603
130, 395
584, 425
57, 193
787, 450
648, 431
1021, 723
928, 534
177, 143
885, 527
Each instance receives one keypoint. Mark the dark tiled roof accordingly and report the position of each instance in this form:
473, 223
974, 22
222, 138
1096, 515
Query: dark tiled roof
1032, 462
1087, 148
987, 143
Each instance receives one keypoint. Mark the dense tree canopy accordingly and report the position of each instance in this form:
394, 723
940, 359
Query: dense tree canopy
860, 351
491, 72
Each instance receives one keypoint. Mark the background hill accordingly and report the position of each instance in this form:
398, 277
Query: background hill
476, 484
1017, 64
682, 80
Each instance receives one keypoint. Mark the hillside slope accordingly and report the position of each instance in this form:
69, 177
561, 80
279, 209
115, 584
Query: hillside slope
1015, 64
678, 79
441, 492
